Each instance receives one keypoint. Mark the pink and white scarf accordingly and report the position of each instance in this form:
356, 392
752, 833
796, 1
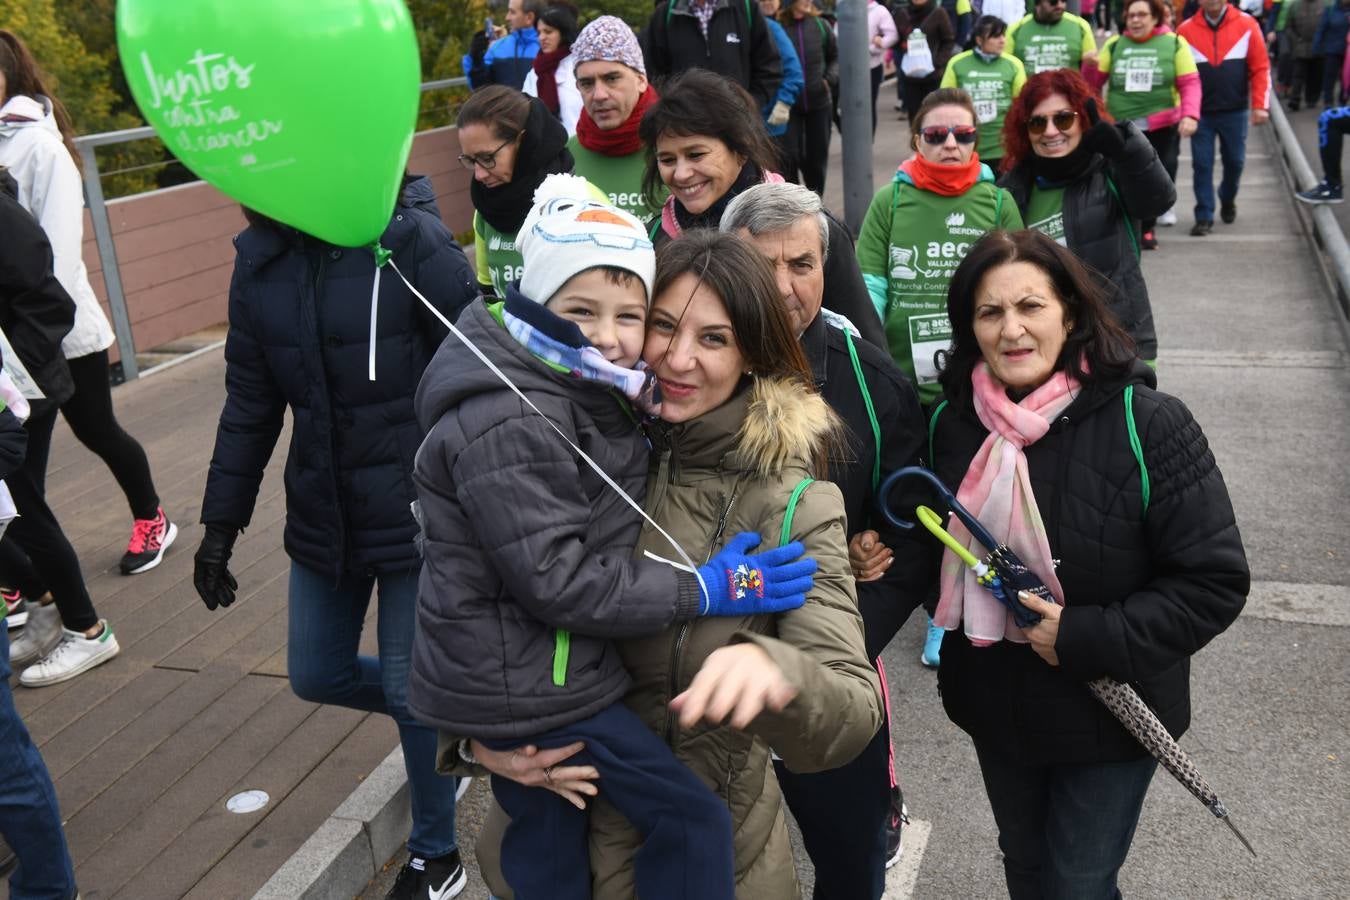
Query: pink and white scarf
997, 491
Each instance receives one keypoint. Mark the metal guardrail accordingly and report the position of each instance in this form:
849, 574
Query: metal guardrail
1327, 230
107, 251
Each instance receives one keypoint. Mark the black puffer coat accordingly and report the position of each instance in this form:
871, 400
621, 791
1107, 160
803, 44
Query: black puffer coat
1099, 231
299, 337
35, 311
818, 50
1144, 591
522, 538
738, 45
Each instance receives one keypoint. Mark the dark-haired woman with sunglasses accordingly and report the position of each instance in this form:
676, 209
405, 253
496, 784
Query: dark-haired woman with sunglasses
992, 78
920, 226
1086, 182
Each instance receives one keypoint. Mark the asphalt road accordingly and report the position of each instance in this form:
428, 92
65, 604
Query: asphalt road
1249, 340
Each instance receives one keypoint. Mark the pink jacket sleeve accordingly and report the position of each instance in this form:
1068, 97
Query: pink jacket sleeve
1188, 86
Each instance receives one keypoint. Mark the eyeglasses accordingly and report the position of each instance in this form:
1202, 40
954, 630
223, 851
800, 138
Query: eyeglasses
486, 160
1056, 2
937, 134
1063, 120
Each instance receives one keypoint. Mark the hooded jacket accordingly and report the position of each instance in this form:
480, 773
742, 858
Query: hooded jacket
35, 311
50, 188
733, 469
1101, 233
1144, 589
508, 61
300, 338
521, 539
1232, 61
738, 45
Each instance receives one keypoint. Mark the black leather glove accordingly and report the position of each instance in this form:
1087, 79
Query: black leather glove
210, 573
1101, 137
478, 46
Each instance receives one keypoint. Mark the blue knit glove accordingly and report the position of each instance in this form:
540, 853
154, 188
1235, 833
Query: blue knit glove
739, 583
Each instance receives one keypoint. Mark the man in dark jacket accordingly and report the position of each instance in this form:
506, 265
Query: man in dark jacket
848, 816
728, 37
300, 337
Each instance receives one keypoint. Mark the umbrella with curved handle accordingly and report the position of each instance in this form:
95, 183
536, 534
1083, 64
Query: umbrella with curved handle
1004, 575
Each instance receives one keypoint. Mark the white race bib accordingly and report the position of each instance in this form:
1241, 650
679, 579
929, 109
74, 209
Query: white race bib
986, 111
1138, 80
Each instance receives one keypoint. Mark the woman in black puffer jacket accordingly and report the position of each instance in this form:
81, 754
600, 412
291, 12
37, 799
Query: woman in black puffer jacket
1087, 182
1107, 489
300, 338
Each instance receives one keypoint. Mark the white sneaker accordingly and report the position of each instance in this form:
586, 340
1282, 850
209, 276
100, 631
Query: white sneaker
38, 637
75, 654
1168, 219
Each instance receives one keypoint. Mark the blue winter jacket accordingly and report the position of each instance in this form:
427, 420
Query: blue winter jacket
1331, 31
794, 79
507, 61
299, 338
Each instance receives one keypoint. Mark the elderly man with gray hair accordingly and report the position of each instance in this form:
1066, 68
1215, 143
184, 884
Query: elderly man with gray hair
850, 817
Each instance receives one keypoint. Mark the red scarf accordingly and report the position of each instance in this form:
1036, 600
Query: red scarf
546, 68
949, 181
621, 141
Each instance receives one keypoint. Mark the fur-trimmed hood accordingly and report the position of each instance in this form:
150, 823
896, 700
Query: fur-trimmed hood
770, 424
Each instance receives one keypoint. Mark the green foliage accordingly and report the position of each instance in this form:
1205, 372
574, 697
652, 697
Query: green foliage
76, 43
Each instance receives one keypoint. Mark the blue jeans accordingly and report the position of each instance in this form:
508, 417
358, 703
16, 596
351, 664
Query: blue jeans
1064, 830
324, 667
1231, 130
29, 818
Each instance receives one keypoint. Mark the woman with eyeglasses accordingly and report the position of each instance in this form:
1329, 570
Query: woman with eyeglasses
1157, 87
920, 227
992, 78
511, 143
1086, 182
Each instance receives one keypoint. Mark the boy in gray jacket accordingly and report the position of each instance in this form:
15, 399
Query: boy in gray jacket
528, 554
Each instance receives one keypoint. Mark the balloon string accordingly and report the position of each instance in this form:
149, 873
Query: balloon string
506, 380
374, 310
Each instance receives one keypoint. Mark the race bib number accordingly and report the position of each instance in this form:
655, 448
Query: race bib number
1138, 80
986, 111
927, 335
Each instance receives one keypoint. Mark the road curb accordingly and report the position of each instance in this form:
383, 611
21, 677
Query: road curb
353, 844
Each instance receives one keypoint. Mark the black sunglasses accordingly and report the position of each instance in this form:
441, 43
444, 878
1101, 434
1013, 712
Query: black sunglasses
1063, 120
937, 134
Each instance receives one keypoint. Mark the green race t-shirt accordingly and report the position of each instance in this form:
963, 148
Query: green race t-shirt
498, 261
618, 177
912, 240
1042, 48
1045, 212
992, 85
1142, 76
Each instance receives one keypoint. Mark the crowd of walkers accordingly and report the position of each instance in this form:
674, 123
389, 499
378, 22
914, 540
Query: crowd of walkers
637, 570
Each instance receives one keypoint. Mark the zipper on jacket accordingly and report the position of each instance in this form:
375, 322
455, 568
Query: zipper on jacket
677, 650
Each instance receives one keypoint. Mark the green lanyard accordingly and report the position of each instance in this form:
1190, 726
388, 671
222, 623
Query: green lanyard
871, 411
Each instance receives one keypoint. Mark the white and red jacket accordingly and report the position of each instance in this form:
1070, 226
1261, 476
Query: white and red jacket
1231, 57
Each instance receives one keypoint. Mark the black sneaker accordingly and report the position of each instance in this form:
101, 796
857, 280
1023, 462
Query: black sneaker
429, 879
149, 539
896, 820
1228, 212
1202, 227
1323, 193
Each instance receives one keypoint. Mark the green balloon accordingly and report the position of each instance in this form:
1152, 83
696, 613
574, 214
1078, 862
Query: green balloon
303, 110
